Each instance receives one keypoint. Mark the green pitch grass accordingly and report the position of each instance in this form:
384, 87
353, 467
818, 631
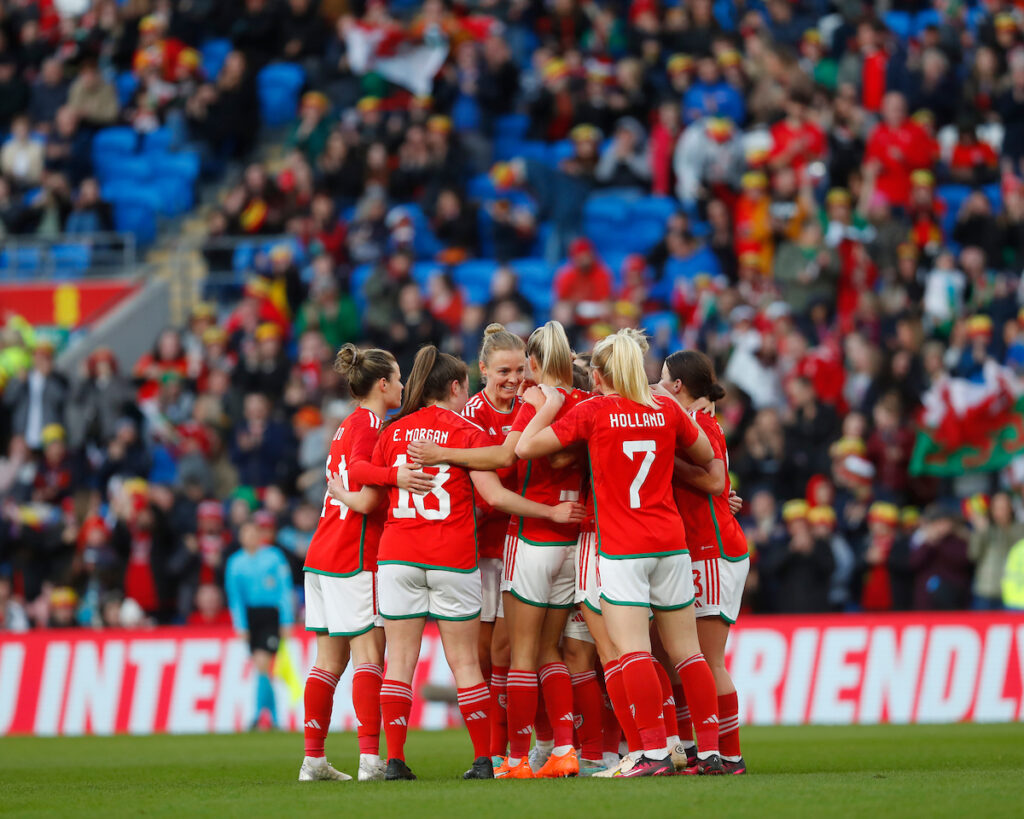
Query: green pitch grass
926, 771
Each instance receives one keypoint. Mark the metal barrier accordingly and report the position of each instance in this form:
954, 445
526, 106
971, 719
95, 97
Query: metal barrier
67, 255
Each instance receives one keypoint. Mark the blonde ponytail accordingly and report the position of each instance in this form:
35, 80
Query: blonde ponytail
620, 360
550, 346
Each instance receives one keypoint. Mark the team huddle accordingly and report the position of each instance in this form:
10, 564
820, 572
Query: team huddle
571, 530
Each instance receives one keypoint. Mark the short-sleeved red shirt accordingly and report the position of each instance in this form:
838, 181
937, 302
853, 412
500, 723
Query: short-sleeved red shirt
632, 455
497, 424
345, 542
437, 530
711, 529
541, 482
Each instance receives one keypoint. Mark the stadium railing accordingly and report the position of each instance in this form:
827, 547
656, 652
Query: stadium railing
67, 256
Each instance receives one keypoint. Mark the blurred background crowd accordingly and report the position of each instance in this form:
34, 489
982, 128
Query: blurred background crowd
826, 196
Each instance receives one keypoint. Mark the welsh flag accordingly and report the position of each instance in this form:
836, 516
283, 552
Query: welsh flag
970, 426
389, 51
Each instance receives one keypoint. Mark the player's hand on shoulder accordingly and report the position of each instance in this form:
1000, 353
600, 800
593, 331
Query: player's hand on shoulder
534, 397
703, 405
553, 395
424, 453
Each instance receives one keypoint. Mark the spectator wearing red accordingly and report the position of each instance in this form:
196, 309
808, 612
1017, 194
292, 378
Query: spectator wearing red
973, 162
664, 135
883, 523
895, 149
583, 285
889, 447
796, 139
168, 355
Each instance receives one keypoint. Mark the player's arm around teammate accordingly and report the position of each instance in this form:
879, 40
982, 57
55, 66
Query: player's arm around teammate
340, 579
717, 544
632, 438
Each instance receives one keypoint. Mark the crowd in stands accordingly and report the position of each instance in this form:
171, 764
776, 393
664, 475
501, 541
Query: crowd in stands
825, 197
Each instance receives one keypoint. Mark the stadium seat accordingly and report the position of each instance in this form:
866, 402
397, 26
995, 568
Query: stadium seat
21, 262
242, 259
474, 277
559, 151
175, 194
117, 141
511, 125
135, 168
136, 212
653, 208
643, 235
158, 141
422, 271
127, 84
481, 187
179, 163
606, 208
279, 85
899, 23
213, 53
533, 271
71, 259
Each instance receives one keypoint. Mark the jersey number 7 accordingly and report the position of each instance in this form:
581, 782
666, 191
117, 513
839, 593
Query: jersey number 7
629, 449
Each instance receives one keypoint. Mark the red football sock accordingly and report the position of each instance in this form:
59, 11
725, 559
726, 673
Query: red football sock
588, 709
668, 704
366, 683
557, 687
395, 707
499, 716
475, 705
620, 702
682, 714
522, 708
703, 701
319, 700
611, 728
729, 724
541, 723
644, 693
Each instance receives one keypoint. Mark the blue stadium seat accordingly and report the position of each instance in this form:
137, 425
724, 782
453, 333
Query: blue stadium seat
653, 208
213, 54
158, 141
643, 235
243, 256
533, 271
278, 86
118, 141
176, 194
474, 277
511, 125
923, 19
614, 260
21, 262
184, 164
953, 196
136, 212
899, 23
422, 271
558, 151
507, 147
71, 259
606, 208
481, 187
127, 84
135, 168
358, 282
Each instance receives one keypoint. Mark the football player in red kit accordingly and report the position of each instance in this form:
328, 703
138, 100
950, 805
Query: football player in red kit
427, 559
341, 601
718, 547
538, 580
632, 437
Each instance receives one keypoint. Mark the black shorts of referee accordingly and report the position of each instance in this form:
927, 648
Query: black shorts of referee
264, 628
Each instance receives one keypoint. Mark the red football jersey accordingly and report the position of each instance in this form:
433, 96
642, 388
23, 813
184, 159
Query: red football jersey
632, 456
345, 542
711, 528
539, 481
491, 524
437, 530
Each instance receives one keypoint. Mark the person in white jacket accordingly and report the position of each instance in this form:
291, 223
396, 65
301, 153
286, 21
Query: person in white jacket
709, 153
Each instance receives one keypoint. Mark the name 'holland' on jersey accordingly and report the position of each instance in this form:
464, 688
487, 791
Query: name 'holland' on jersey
437, 436
636, 420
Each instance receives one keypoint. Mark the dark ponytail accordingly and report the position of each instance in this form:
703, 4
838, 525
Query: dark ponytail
430, 379
363, 368
696, 372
